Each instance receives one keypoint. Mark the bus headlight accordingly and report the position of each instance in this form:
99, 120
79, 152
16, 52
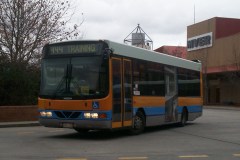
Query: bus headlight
87, 115
43, 114
49, 114
91, 115
46, 114
94, 115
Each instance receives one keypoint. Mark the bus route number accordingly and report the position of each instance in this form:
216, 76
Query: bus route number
72, 49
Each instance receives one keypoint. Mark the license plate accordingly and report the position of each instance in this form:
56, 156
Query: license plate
67, 125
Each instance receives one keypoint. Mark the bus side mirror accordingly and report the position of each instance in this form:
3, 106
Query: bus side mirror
106, 53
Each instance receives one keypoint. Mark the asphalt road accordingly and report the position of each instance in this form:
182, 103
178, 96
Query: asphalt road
214, 136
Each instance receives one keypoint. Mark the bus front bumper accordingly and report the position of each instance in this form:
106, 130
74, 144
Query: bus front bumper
78, 124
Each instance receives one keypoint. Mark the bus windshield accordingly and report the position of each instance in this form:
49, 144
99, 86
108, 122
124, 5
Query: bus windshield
74, 78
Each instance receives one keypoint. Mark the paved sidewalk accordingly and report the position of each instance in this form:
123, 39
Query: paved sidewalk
19, 124
221, 107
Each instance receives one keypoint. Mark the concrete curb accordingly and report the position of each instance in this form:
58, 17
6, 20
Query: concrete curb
19, 124
237, 108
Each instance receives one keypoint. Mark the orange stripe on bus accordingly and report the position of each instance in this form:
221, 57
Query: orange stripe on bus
148, 101
189, 101
145, 101
105, 104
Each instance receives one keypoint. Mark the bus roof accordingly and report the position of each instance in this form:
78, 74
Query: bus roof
144, 54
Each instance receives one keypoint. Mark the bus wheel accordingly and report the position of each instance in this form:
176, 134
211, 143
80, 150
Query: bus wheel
138, 123
184, 118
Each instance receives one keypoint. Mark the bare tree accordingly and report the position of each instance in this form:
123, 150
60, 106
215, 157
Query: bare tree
234, 76
25, 25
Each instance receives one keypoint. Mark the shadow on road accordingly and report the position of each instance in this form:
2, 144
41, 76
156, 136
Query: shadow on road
111, 134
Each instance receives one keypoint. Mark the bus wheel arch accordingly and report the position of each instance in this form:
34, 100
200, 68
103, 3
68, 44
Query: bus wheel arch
139, 122
184, 117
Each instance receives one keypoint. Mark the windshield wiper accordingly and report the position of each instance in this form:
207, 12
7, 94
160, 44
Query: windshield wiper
59, 86
65, 79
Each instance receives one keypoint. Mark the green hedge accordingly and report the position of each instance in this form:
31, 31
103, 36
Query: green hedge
19, 84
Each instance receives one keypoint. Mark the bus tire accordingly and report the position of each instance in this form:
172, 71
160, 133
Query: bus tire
138, 123
184, 118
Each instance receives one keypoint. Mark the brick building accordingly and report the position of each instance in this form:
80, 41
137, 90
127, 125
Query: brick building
178, 51
216, 42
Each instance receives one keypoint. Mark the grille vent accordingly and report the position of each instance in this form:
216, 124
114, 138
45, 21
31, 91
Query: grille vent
67, 114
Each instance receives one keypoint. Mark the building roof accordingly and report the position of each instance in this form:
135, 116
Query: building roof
226, 27
177, 51
223, 27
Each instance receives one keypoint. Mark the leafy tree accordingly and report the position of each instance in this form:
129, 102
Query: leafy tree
19, 84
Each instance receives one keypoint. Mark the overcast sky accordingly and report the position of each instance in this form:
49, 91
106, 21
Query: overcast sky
165, 21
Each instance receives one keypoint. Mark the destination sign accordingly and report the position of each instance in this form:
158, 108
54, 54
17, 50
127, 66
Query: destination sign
64, 49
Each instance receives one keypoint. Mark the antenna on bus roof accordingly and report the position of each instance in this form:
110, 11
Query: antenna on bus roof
139, 39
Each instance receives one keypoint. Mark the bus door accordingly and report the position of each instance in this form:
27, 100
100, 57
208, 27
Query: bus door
122, 92
171, 97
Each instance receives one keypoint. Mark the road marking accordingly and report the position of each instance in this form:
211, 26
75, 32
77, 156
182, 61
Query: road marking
194, 156
72, 159
132, 158
236, 155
